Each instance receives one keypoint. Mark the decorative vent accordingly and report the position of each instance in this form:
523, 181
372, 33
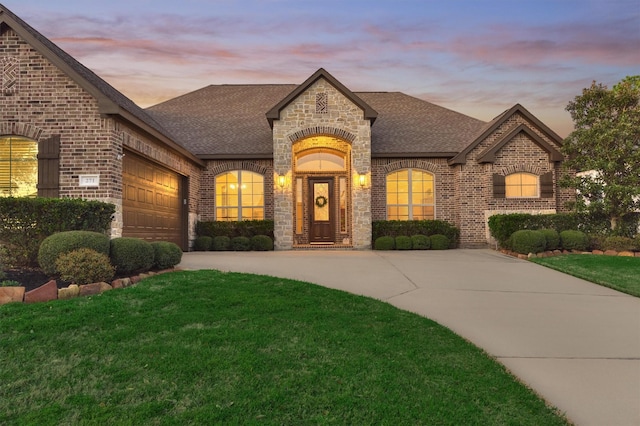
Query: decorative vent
9, 75
322, 103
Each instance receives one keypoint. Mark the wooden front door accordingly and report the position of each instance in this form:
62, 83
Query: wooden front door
322, 207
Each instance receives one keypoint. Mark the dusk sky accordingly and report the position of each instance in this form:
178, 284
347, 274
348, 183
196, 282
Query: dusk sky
478, 57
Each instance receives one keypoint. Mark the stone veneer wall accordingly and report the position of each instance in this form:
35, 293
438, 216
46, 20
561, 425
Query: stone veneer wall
46, 102
300, 119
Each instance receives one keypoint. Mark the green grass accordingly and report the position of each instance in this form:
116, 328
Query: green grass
618, 272
207, 347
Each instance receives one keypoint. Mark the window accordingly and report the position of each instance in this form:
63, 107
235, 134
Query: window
520, 185
410, 195
320, 160
18, 167
239, 196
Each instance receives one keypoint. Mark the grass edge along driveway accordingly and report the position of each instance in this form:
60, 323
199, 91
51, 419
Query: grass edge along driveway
206, 347
620, 273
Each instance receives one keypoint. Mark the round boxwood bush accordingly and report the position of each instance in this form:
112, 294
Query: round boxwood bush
618, 244
384, 243
261, 243
202, 243
527, 241
166, 254
240, 244
131, 255
221, 243
64, 242
420, 242
552, 238
439, 242
84, 266
403, 242
574, 240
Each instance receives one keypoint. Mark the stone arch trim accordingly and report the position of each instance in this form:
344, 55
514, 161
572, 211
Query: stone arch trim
21, 129
409, 164
322, 131
239, 165
520, 168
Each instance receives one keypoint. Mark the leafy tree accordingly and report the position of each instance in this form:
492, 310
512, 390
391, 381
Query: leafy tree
606, 141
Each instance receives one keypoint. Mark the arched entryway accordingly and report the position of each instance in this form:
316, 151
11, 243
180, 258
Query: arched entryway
322, 191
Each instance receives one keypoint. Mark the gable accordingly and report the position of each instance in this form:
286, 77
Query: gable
109, 100
510, 123
489, 154
274, 113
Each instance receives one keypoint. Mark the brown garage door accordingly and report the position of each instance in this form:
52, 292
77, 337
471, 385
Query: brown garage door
151, 204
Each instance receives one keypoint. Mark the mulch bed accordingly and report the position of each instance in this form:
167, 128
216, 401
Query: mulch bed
31, 278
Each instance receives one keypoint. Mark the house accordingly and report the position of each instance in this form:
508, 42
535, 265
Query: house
320, 160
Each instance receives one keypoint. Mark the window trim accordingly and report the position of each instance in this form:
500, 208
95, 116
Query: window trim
238, 198
410, 204
511, 197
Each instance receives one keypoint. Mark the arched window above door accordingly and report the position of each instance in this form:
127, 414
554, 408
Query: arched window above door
321, 160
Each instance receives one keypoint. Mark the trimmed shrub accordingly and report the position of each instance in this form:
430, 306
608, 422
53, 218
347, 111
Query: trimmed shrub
84, 266
618, 244
403, 242
636, 242
420, 242
596, 242
574, 240
552, 237
393, 228
166, 254
243, 228
202, 243
240, 244
528, 241
131, 255
261, 243
64, 242
221, 243
384, 243
439, 242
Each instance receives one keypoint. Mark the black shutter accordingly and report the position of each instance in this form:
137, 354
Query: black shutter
499, 190
49, 167
546, 185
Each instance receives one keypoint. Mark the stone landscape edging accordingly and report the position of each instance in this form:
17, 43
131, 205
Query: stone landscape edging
550, 253
50, 291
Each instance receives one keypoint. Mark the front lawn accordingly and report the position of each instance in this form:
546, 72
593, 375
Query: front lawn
207, 347
618, 272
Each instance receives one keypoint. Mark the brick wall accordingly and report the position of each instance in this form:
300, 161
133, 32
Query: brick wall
46, 102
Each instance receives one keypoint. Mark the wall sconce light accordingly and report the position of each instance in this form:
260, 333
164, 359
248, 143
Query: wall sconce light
282, 180
362, 179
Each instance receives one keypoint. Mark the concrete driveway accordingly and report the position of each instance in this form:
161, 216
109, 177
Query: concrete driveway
575, 343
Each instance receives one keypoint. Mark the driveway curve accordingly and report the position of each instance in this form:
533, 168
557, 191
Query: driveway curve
575, 343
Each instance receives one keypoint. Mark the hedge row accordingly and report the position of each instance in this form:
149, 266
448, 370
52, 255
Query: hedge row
502, 226
244, 228
414, 242
527, 241
408, 228
26, 222
240, 243
84, 257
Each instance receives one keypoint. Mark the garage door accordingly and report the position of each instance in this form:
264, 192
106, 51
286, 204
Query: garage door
152, 208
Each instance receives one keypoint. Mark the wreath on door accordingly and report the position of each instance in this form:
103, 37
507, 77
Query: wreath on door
321, 201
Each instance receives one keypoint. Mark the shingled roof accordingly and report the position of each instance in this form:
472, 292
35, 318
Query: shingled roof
228, 121
110, 100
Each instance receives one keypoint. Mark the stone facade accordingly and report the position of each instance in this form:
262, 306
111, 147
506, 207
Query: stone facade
343, 119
